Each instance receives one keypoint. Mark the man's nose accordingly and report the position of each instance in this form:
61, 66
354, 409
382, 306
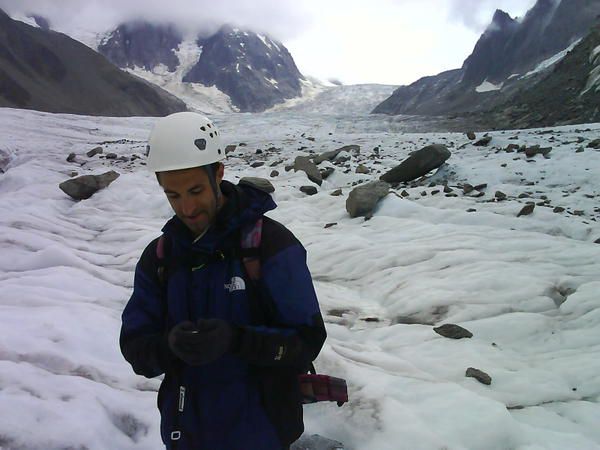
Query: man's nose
188, 206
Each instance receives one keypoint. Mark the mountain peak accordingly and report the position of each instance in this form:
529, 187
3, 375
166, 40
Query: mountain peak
500, 21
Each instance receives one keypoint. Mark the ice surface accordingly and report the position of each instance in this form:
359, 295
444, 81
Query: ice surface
526, 287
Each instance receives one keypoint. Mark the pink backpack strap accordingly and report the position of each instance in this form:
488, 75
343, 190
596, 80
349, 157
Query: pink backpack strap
250, 243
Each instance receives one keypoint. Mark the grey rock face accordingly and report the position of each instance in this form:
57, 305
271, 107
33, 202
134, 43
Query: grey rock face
51, 72
363, 199
304, 164
418, 164
255, 71
85, 186
453, 331
143, 45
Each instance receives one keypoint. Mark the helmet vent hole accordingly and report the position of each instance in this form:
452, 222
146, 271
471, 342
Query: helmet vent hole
211, 135
203, 128
209, 125
219, 151
200, 143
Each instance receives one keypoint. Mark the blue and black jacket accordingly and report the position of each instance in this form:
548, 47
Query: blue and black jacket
249, 399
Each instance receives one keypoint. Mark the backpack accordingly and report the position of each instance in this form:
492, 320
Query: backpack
314, 387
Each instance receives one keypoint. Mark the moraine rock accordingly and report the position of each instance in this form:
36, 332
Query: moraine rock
332, 154
95, 151
471, 135
453, 331
363, 199
304, 164
483, 142
85, 186
418, 164
479, 375
257, 164
308, 190
259, 183
316, 442
526, 210
274, 173
499, 195
71, 157
326, 172
362, 169
230, 148
336, 193
594, 144
4, 160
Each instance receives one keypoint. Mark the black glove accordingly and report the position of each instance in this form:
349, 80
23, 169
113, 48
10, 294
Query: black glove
203, 342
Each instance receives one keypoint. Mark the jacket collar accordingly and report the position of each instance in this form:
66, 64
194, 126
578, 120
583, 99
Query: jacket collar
245, 204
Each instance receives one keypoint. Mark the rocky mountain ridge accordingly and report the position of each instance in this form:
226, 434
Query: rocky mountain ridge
507, 59
48, 71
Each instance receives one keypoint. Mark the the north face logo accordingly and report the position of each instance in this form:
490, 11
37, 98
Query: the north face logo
237, 284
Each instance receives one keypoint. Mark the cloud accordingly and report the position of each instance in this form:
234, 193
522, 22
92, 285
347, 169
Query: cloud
477, 14
282, 19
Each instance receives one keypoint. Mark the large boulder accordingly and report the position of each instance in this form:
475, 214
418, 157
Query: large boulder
304, 164
316, 442
418, 164
85, 186
363, 199
259, 183
330, 155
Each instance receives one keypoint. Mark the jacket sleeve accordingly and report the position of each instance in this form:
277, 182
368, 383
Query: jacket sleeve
143, 338
296, 333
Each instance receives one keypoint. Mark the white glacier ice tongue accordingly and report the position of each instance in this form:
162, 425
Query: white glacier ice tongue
431, 254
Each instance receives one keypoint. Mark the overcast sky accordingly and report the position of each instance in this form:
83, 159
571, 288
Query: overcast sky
354, 41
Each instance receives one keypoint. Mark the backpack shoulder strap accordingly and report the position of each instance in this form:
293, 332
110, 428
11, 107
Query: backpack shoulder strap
251, 238
163, 263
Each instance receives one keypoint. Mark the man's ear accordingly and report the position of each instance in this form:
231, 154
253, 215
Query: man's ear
219, 173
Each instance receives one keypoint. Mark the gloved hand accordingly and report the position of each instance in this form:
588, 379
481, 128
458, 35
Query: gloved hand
203, 342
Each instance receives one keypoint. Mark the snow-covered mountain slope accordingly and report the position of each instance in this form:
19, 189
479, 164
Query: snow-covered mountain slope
526, 287
198, 97
253, 70
340, 100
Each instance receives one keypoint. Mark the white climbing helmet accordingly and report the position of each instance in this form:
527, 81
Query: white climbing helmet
183, 140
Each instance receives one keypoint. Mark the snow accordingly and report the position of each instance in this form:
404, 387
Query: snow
264, 40
526, 287
486, 86
547, 63
25, 19
205, 99
594, 78
337, 100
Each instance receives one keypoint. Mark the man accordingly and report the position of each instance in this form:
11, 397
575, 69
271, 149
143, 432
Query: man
231, 347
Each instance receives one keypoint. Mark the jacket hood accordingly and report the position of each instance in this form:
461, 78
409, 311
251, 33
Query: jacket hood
245, 205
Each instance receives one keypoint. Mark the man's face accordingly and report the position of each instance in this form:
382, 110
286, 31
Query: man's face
191, 196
